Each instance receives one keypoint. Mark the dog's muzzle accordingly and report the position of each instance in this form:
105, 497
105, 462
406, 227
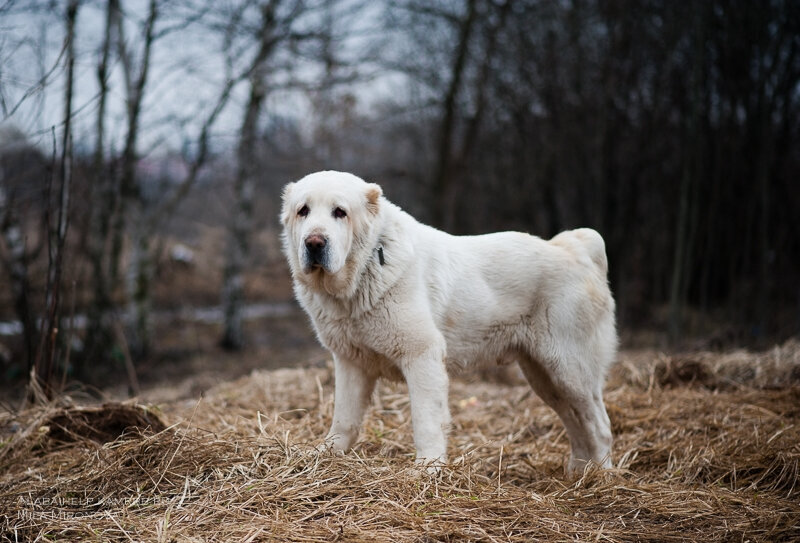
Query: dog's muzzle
316, 251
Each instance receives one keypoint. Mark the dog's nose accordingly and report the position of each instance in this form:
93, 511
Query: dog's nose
315, 242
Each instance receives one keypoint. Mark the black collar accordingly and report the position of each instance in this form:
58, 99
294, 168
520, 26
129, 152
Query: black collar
380, 254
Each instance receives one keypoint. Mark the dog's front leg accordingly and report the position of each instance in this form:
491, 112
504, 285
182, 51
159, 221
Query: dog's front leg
430, 415
353, 392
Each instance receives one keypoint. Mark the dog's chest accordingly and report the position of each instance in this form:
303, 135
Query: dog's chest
360, 341
340, 335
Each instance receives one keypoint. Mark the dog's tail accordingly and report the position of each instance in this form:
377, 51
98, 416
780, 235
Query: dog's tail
590, 241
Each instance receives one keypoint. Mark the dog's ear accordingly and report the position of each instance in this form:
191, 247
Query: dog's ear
285, 208
374, 194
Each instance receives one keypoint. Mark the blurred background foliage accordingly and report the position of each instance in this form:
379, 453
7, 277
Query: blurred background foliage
144, 144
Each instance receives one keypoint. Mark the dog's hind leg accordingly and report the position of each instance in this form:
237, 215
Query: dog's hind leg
578, 400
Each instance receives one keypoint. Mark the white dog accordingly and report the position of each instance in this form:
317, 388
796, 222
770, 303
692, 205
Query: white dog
393, 298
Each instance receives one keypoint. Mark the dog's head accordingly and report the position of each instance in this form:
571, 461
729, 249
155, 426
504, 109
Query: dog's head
327, 226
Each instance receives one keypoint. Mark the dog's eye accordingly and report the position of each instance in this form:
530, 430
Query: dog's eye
303, 211
339, 213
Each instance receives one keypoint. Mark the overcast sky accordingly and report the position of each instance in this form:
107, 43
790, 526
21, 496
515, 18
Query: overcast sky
186, 75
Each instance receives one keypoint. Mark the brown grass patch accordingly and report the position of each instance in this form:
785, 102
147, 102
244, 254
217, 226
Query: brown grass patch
101, 424
706, 452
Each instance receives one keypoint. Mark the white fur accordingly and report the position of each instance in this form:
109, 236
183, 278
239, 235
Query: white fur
440, 301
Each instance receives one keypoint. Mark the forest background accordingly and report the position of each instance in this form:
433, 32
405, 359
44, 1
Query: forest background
144, 143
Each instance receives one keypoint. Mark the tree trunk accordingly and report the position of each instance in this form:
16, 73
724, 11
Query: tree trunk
692, 176
139, 281
140, 273
241, 222
443, 186
99, 334
43, 375
240, 229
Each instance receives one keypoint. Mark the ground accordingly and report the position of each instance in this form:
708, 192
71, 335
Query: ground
707, 447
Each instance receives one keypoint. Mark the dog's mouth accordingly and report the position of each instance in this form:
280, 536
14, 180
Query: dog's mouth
313, 268
315, 263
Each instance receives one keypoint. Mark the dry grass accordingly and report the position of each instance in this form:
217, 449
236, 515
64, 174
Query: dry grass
707, 448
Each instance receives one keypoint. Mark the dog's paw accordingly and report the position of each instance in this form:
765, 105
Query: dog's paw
577, 468
328, 447
430, 466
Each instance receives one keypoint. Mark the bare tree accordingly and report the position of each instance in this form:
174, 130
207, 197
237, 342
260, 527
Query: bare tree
139, 213
443, 182
23, 175
104, 195
456, 71
282, 27
244, 185
48, 354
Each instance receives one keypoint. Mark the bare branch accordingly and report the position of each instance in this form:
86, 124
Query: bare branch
427, 10
38, 86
